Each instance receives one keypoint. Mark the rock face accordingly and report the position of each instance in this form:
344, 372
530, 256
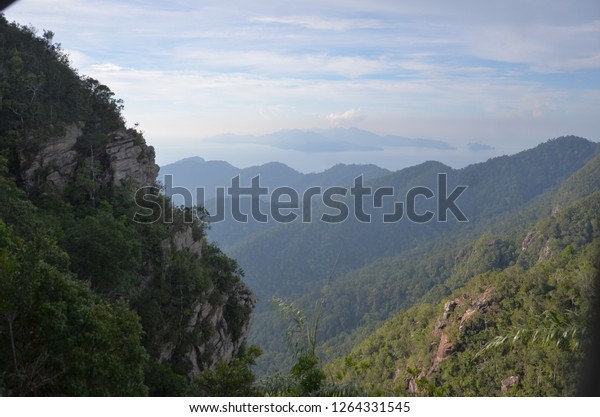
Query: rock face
217, 321
224, 342
124, 156
131, 159
184, 241
481, 304
224, 345
537, 247
529, 239
509, 382
55, 163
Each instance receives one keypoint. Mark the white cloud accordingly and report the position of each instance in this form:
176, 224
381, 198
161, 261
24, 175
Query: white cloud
106, 67
320, 23
346, 118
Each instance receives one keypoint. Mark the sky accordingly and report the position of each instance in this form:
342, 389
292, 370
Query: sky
489, 78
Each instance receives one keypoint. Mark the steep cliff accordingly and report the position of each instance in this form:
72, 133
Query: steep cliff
194, 307
65, 145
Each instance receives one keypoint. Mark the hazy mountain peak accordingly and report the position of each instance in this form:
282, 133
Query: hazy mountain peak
194, 159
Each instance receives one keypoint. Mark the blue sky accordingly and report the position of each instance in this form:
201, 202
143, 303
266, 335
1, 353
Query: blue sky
507, 74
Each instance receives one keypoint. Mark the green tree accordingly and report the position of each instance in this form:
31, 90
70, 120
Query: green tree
301, 335
233, 379
56, 336
104, 252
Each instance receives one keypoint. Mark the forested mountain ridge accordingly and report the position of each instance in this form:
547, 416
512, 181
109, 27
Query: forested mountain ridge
194, 173
396, 264
96, 298
518, 329
503, 309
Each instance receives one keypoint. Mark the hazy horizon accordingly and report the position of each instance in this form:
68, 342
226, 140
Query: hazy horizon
413, 156
508, 75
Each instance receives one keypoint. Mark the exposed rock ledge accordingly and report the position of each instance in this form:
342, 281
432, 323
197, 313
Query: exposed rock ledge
483, 303
125, 156
222, 346
131, 159
55, 163
184, 241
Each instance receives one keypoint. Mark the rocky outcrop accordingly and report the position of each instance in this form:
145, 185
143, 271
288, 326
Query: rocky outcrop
124, 156
223, 328
130, 159
481, 304
509, 382
224, 344
532, 242
449, 308
55, 163
183, 240
529, 239
444, 346
545, 253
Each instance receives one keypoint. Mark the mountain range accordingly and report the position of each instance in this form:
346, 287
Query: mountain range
370, 271
195, 172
